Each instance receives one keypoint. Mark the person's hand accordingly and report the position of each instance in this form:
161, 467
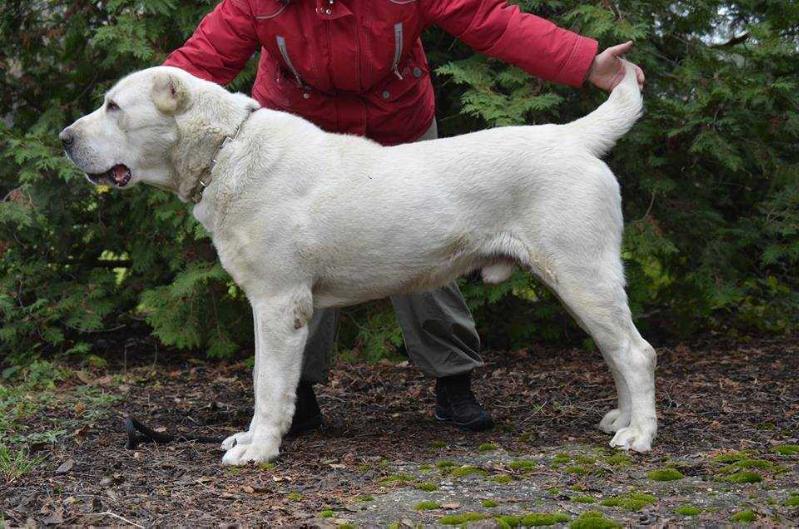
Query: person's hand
607, 69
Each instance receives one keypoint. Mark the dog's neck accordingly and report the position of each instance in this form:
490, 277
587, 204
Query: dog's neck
199, 143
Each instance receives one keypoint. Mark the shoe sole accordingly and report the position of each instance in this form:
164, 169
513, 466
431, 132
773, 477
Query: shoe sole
478, 425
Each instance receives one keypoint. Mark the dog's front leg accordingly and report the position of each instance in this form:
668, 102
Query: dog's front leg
280, 333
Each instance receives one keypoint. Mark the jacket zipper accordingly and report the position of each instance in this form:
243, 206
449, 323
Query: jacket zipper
397, 49
281, 45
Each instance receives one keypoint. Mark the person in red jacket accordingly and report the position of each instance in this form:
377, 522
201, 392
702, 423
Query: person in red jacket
358, 67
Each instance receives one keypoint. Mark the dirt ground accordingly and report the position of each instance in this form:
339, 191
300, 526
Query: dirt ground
729, 420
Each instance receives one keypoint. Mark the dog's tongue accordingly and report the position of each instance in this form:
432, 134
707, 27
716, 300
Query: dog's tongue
120, 174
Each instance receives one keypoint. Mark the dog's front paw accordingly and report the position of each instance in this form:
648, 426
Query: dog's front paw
241, 454
237, 439
614, 420
634, 438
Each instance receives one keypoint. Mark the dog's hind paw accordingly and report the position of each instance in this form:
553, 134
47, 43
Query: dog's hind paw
237, 439
255, 452
614, 420
633, 438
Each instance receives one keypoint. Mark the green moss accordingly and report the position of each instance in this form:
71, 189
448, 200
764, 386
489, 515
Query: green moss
294, 496
665, 474
787, 450
538, 519
425, 469
327, 513
346, 526
688, 510
593, 520
438, 444
793, 500
754, 463
619, 460
583, 499
366, 498
462, 518
744, 516
467, 470
395, 525
427, 486
508, 521
396, 478
364, 467
554, 491
502, 479
266, 466
535, 519
561, 459
427, 506
444, 465
585, 460
524, 465
487, 447
743, 477
631, 501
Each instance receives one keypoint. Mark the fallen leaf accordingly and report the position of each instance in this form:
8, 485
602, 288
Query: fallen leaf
65, 467
54, 518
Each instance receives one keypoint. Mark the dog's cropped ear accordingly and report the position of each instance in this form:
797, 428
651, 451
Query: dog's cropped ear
169, 93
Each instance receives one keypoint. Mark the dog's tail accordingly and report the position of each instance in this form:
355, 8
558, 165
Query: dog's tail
601, 129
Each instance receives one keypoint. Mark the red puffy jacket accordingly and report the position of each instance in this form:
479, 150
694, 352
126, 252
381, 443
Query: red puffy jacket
357, 66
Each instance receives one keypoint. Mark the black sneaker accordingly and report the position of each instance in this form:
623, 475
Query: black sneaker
307, 415
456, 403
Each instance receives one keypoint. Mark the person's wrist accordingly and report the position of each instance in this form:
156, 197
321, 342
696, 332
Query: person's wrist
590, 71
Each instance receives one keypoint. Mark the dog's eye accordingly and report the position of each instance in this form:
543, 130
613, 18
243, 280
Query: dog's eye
110, 106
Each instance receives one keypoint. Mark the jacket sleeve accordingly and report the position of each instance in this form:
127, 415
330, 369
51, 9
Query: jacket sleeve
503, 31
221, 44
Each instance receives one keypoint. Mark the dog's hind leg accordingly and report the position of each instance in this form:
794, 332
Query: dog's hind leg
280, 333
594, 294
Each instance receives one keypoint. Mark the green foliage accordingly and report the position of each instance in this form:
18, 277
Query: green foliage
16, 463
710, 178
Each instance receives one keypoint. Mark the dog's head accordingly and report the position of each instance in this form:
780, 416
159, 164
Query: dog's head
137, 135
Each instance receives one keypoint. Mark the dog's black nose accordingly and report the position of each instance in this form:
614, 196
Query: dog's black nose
67, 137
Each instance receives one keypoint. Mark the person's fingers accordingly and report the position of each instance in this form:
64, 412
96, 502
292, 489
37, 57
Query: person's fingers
639, 76
620, 49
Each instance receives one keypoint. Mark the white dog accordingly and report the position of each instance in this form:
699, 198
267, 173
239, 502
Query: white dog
304, 219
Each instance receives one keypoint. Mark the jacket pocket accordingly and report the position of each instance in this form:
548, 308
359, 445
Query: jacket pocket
284, 52
398, 42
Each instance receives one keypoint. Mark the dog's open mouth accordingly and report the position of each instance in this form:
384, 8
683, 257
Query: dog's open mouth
119, 175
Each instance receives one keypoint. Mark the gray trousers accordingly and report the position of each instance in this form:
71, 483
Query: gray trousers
437, 327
